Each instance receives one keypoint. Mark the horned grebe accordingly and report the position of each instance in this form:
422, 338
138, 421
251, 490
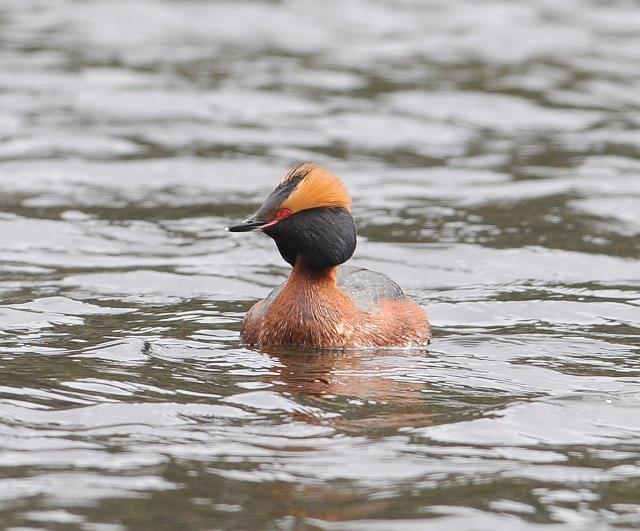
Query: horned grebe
321, 305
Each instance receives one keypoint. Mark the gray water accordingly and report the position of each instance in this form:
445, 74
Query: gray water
492, 149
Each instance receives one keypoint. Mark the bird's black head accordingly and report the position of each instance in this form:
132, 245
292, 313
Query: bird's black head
308, 216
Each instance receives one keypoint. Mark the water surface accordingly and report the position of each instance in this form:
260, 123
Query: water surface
493, 155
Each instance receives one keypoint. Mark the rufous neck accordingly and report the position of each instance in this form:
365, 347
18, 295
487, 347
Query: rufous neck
303, 272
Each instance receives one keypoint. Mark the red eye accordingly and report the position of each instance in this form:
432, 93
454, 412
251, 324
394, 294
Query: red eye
280, 215
283, 213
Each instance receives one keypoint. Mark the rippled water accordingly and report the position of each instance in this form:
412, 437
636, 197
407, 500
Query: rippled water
493, 152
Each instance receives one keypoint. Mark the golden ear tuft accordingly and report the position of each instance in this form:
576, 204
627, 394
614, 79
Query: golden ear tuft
317, 188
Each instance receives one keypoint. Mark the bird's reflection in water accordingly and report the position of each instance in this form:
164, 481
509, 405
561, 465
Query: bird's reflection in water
365, 390
366, 395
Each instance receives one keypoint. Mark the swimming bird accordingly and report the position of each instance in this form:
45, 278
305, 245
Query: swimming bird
322, 305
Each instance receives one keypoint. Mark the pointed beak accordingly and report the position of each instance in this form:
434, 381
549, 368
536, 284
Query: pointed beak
247, 225
258, 221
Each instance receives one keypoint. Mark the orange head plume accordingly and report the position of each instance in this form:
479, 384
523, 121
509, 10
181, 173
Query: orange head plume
308, 216
306, 186
315, 187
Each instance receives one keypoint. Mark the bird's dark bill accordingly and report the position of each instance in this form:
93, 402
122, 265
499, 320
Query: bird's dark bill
247, 225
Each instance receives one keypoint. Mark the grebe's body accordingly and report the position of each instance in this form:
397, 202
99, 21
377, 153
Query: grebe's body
344, 307
322, 305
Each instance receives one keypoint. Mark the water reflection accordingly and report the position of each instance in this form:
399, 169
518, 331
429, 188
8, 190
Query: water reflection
359, 386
